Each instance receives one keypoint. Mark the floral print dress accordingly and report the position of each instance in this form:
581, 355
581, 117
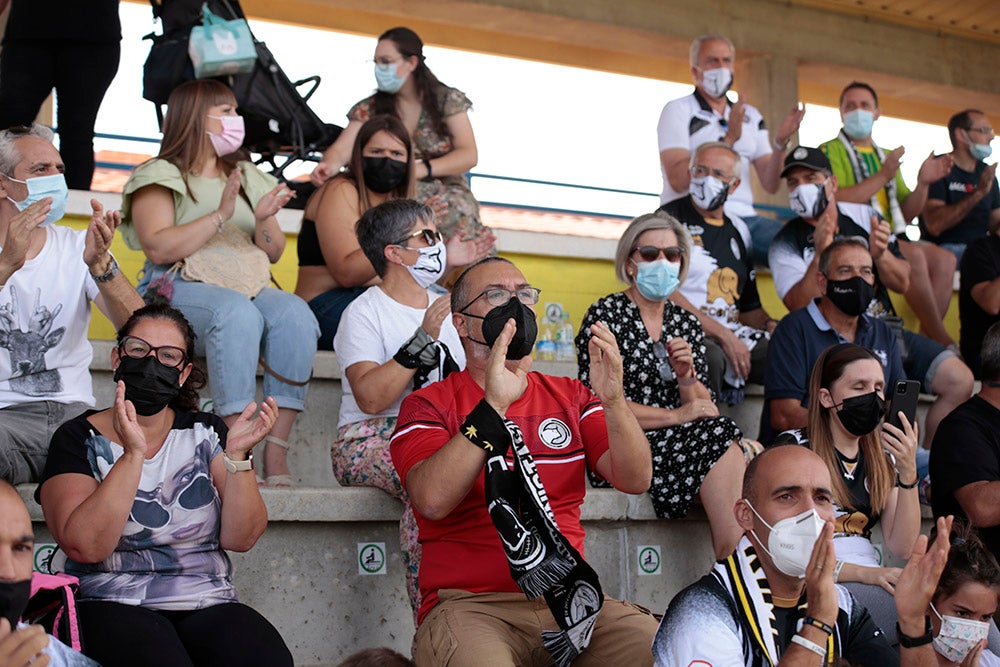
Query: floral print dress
682, 454
463, 209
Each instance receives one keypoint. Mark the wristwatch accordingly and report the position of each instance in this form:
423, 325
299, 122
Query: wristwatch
110, 273
238, 466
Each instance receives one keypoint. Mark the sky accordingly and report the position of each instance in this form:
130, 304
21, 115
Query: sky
532, 120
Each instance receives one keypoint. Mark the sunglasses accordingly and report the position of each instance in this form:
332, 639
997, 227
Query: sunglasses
431, 237
650, 253
665, 369
151, 514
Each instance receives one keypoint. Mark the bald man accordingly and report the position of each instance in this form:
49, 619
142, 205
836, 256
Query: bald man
25, 644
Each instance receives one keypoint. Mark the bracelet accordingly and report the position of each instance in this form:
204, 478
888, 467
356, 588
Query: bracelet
779, 146
836, 570
915, 642
219, 222
109, 273
818, 624
687, 382
430, 172
811, 645
900, 484
486, 429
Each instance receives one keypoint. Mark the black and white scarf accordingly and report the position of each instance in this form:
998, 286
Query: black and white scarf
541, 559
860, 169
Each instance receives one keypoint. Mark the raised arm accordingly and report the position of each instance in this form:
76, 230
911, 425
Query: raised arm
438, 484
87, 519
118, 298
628, 463
244, 516
337, 155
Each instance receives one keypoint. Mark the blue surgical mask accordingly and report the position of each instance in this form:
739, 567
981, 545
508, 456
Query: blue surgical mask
981, 151
386, 78
658, 279
858, 123
41, 187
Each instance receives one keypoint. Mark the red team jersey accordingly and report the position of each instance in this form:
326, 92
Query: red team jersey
562, 423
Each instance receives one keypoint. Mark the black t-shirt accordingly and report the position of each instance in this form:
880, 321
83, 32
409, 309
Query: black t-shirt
980, 264
966, 449
954, 187
57, 20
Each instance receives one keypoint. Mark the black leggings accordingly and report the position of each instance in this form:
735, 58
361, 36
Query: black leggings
226, 634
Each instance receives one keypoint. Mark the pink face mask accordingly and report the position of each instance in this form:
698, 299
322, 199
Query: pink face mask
231, 138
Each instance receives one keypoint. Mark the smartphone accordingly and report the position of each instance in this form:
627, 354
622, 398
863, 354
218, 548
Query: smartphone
904, 399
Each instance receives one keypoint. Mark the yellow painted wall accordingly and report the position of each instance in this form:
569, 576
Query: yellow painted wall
575, 283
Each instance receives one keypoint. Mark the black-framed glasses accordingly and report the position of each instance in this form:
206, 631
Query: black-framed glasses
431, 237
498, 296
136, 348
665, 369
650, 253
151, 514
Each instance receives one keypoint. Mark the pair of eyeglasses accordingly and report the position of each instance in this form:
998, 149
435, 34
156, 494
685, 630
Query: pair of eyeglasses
431, 237
700, 171
498, 296
136, 348
665, 369
987, 131
650, 253
151, 514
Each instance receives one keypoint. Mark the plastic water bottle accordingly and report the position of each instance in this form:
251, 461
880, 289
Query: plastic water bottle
564, 340
545, 348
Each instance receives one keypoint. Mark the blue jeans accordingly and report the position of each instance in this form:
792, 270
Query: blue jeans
762, 231
233, 332
329, 307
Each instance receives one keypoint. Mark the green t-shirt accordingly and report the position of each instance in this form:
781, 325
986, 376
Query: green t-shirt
841, 164
207, 194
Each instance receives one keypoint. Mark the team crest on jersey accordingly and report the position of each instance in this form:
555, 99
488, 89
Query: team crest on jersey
883, 356
554, 433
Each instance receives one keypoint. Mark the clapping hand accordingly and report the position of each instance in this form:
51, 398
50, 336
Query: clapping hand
100, 233
606, 369
463, 250
19, 229
504, 386
273, 201
126, 425
247, 431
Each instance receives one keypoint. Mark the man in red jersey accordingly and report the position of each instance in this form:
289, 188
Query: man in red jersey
451, 451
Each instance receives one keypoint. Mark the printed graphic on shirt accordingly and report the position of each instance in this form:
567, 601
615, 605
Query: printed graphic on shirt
555, 433
27, 343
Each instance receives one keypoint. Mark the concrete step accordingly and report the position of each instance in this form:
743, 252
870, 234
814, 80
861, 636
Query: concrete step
304, 574
316, 428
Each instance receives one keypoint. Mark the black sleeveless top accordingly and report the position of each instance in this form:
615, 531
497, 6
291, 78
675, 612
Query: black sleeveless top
310, 254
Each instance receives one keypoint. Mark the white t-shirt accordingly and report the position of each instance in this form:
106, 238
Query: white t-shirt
44, 315
688, 122
373, 328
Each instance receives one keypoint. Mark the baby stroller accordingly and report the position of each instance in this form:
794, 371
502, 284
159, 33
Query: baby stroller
280, 126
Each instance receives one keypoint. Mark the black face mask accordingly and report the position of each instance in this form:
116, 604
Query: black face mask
523, 341
860, 415
850, 296
148, 384
383, 174
13, 600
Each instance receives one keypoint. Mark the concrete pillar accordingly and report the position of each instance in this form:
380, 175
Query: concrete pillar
770, 83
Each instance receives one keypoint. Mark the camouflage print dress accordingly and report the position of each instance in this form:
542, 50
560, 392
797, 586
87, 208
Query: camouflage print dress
463, 209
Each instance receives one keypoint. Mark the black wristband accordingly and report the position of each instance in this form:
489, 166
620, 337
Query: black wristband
430, 172
409, 352
900, 484
915, 642
818, 624
486, 429
406, 359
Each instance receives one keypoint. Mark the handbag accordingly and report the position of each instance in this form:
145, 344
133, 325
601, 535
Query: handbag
229, 259
219, 47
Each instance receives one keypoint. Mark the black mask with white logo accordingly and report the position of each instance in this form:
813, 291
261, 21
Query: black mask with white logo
850, 296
